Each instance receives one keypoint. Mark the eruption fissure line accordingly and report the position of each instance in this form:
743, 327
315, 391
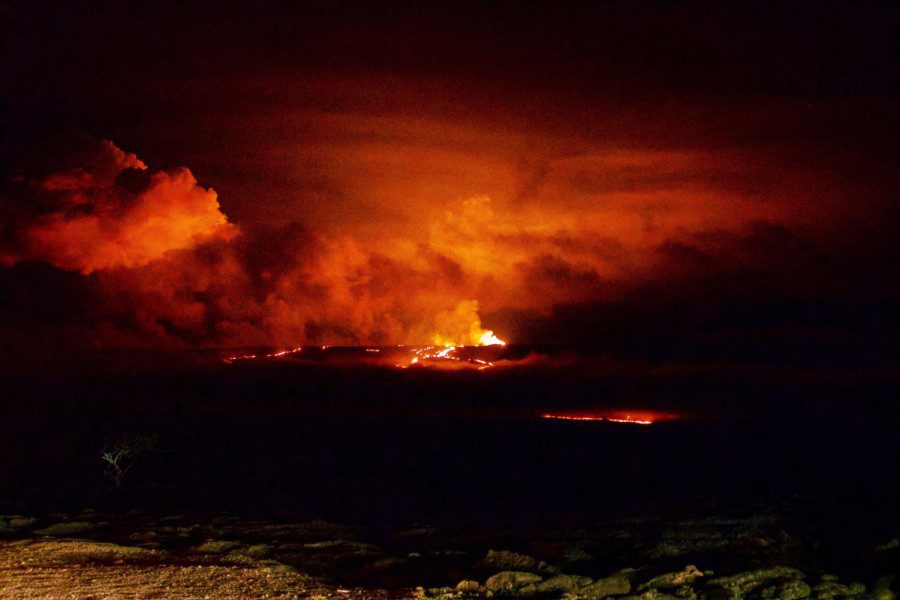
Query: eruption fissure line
431, 353
459, 328
280, 353
625, 419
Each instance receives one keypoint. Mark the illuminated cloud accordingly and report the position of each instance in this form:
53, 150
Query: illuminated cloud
105, 209
597, 246
462, 327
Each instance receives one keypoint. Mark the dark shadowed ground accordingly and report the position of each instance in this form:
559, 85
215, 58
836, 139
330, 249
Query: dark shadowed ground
751, 468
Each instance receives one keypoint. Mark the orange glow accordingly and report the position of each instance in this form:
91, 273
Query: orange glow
432, 356
408, 219
634, 420
277, 354
489, 339
96, 223
462, 327
457, 328
452, 357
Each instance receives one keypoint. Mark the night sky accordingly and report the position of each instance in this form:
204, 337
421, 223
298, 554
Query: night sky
685, 181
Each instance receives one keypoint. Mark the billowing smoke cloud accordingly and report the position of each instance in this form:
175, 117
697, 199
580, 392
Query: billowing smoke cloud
101, 208
462, 327
163, 265
148, 258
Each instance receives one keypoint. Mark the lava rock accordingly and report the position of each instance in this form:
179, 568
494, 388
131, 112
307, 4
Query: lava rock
881, 588
13, 523
673, 579
513, 583
794, 589
685, 592
651, 594
574, 557
68, 529
614, 585
744, 582
829, 588
564, 583
509, 561
216, 546
468, 586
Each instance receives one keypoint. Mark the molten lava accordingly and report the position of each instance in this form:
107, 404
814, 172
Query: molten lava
462, 327
458, 332
634, 420
448, 355
456, 329
277, 354
489, 339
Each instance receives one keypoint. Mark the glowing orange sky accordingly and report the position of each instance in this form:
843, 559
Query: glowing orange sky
353, 184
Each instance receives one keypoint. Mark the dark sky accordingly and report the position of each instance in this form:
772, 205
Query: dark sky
690, 178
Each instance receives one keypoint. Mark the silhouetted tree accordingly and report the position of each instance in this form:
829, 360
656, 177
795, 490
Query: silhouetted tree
120, 455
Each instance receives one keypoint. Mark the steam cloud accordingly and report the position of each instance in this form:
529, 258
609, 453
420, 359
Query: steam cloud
104, 209
155, 261
163, 264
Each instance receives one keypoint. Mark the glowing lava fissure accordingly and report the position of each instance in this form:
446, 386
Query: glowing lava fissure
450, 356
276, 354
458, 332
641, 419
454, 352
400, 356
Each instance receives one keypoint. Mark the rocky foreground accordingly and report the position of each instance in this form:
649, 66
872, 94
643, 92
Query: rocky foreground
783, 583
91, 555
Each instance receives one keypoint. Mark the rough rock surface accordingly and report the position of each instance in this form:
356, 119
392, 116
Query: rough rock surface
563, 583
468, 586
734, 586
68, 529
508, 582
15, 523
674, 579
794, 589
614, 585
509, 561
76, 569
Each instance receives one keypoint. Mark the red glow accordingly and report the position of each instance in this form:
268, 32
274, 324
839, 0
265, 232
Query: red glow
642, 419
403, 357
447, 356
277, 354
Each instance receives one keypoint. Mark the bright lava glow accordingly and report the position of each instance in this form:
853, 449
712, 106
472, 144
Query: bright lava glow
623, 419
436, 354
278, 354
447, 350
489, 339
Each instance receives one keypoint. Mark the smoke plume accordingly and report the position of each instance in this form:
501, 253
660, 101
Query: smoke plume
101, 208
99, 247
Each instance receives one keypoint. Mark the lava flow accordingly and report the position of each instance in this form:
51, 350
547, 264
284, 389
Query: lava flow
457, 329
436, 355
641, 420
278, 354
